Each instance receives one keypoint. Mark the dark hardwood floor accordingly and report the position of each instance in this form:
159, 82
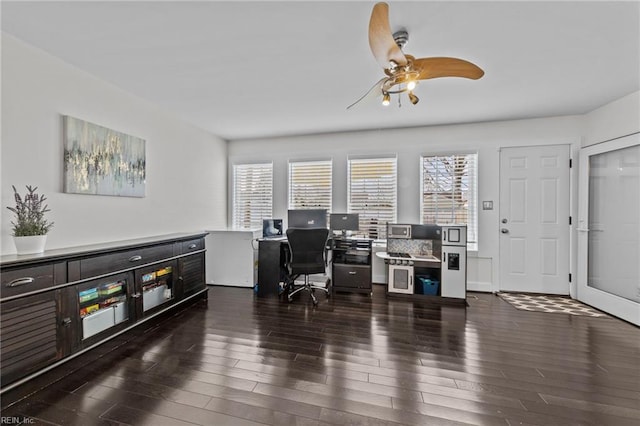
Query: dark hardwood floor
353, 360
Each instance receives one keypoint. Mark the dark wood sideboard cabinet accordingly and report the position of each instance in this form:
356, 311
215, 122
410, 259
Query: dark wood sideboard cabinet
61, 303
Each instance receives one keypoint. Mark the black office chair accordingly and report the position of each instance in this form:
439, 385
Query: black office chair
307, 256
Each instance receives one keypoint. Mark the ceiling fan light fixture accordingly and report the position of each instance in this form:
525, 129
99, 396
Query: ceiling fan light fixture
404, 72
386, 99
413, 98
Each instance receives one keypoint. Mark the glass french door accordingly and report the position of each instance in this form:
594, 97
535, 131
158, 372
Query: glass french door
609, 227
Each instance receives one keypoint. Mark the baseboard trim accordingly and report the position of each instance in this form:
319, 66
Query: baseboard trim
484, 287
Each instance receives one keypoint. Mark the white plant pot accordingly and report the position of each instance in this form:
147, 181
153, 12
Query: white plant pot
31, 244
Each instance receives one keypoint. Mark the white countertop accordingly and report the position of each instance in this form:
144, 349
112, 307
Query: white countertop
414, 257
230, 229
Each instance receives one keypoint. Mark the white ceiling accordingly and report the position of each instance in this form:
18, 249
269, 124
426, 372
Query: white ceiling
259, 69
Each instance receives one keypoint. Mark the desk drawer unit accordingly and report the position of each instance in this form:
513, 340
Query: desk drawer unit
353, 276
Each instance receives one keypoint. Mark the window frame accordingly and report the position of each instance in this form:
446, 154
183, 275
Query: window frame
471, 200
328, 191
391, 194
254, 222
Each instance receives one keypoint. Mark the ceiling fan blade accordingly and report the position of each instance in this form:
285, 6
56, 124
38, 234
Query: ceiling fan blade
371, 93
381, 40
446, 67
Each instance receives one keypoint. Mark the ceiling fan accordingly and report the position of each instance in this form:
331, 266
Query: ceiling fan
403, 72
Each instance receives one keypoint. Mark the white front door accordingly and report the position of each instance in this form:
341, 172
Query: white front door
609, 227
534, 219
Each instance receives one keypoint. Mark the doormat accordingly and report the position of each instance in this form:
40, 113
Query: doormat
549, 303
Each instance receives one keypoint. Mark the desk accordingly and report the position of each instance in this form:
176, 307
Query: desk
271, 261
272, 255
348, 272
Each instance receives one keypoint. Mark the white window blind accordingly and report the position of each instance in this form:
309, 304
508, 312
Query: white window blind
310, 184
252, 194
449, 191
372, 193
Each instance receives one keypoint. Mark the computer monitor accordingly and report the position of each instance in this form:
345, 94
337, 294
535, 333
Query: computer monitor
271, 228
344, 222
307, 218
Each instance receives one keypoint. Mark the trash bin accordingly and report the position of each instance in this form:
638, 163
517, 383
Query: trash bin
429, 286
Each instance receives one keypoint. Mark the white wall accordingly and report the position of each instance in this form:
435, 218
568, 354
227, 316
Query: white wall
613, 120
186, 166
409, 144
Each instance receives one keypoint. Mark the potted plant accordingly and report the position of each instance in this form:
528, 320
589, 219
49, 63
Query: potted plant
30, 226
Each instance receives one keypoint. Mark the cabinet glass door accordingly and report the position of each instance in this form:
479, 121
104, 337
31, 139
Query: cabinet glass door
103, 304
401, 279
155, 286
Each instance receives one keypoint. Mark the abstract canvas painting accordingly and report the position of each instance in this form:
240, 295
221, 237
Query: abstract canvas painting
101, 161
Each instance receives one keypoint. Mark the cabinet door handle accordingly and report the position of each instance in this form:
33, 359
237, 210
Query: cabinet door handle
135, 258
21, 281
192, 246
66, 322
136, 295
352, 272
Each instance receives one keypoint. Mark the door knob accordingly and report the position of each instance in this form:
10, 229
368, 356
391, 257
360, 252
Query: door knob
504, 220
504, 230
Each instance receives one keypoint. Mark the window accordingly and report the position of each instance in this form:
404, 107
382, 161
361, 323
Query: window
310, 185
449, 191
372, 193
252, 194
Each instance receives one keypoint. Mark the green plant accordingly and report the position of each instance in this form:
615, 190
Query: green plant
29, 213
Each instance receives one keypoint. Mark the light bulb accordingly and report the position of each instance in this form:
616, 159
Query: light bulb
413, 98
411, 85
386, 99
